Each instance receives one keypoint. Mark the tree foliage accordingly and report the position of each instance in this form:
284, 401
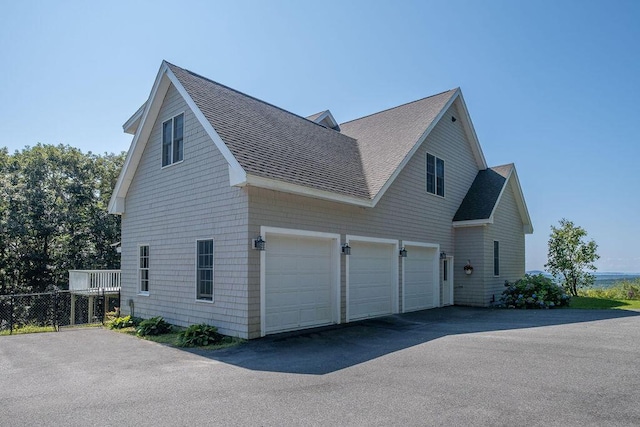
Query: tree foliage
53, 215
570, 256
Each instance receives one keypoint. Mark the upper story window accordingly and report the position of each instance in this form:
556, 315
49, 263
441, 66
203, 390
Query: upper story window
172, 145
435, 175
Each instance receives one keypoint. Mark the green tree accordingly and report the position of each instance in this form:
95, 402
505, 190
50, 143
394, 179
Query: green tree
570, 256
53, 215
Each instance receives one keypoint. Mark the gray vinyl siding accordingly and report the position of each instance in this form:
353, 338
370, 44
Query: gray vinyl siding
507, 228
405, 212
475, 244
169, 209
469, 289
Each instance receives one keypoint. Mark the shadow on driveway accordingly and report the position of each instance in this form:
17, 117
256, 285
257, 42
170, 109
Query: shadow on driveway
324, 350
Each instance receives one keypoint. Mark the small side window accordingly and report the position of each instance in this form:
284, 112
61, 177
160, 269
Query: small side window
496, 258
144, 268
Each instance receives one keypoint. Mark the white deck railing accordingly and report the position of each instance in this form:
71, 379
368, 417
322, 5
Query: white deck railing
94, 280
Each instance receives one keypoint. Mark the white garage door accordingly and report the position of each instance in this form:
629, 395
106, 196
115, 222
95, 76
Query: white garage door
421, 286
372, 279
300, 282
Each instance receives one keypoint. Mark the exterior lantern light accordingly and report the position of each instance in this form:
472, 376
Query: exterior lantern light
403, 252
443, 255
259, 244
346, 249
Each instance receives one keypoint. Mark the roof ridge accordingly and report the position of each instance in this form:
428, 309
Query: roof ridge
251, 97
401, 105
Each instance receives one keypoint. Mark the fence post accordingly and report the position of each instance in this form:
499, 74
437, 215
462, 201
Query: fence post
56, 323
11, 316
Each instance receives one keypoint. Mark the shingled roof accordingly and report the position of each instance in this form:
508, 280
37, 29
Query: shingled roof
270, 147
483, 194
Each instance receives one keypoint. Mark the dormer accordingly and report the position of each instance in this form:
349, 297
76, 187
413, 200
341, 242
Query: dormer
325, 118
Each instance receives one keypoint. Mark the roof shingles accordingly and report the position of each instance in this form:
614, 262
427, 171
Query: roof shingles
270, 142
483, 194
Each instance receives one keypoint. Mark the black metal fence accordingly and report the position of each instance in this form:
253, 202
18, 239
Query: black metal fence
55, 309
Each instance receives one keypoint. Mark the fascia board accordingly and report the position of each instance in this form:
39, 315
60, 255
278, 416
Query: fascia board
415, 147
471, 133
131, 125
285, 187
522, 204
151, 107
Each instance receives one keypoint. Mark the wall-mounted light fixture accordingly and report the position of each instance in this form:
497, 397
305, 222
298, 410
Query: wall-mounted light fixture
346, 249
403, 252
443, 255
259, 244
453, 119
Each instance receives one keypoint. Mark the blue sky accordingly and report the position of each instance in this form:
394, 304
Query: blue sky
552, 86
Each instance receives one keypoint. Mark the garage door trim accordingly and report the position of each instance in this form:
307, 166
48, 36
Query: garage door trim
265, 231
436, 269
395, 296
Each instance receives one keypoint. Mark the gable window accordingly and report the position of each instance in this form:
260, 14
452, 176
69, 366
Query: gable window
172, 146
204, 270
144, 268
435, 175
496, 258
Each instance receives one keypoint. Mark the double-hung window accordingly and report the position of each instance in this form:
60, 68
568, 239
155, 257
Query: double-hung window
496, 258
204, 270
435, 175
144, 268
172, 141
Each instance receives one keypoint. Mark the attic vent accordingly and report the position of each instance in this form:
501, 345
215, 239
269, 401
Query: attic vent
325, 119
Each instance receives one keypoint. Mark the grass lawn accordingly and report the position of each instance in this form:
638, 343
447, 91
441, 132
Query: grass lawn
590, 303
28, 329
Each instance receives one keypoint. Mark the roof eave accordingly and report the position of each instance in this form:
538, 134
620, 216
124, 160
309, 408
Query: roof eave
300, 190
131, 125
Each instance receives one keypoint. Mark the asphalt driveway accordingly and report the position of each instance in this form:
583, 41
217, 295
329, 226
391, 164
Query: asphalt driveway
451, 366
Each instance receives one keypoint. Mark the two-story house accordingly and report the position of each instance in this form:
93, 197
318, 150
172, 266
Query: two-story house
245, 216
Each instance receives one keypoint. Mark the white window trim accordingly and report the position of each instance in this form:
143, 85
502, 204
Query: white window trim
140, 291
162, 140
213, 275
396, 248
436, 269
435, 183
265, 231
493, 258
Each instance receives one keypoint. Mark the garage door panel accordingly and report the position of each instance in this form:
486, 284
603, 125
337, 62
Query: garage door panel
420, 286
299, 282
372, 279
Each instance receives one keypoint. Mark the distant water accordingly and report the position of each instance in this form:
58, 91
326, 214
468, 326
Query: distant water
603, 280
608, 280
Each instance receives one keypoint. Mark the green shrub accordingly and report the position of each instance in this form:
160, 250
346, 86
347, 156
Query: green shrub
153, 326
623, 290
124, 322
199, 335
534, 292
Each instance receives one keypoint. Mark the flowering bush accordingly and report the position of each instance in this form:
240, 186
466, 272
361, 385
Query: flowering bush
534, 292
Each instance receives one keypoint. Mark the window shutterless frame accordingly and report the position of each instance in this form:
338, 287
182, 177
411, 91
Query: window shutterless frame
434, 175
204, 270
496, 258
173, 140
143, 269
